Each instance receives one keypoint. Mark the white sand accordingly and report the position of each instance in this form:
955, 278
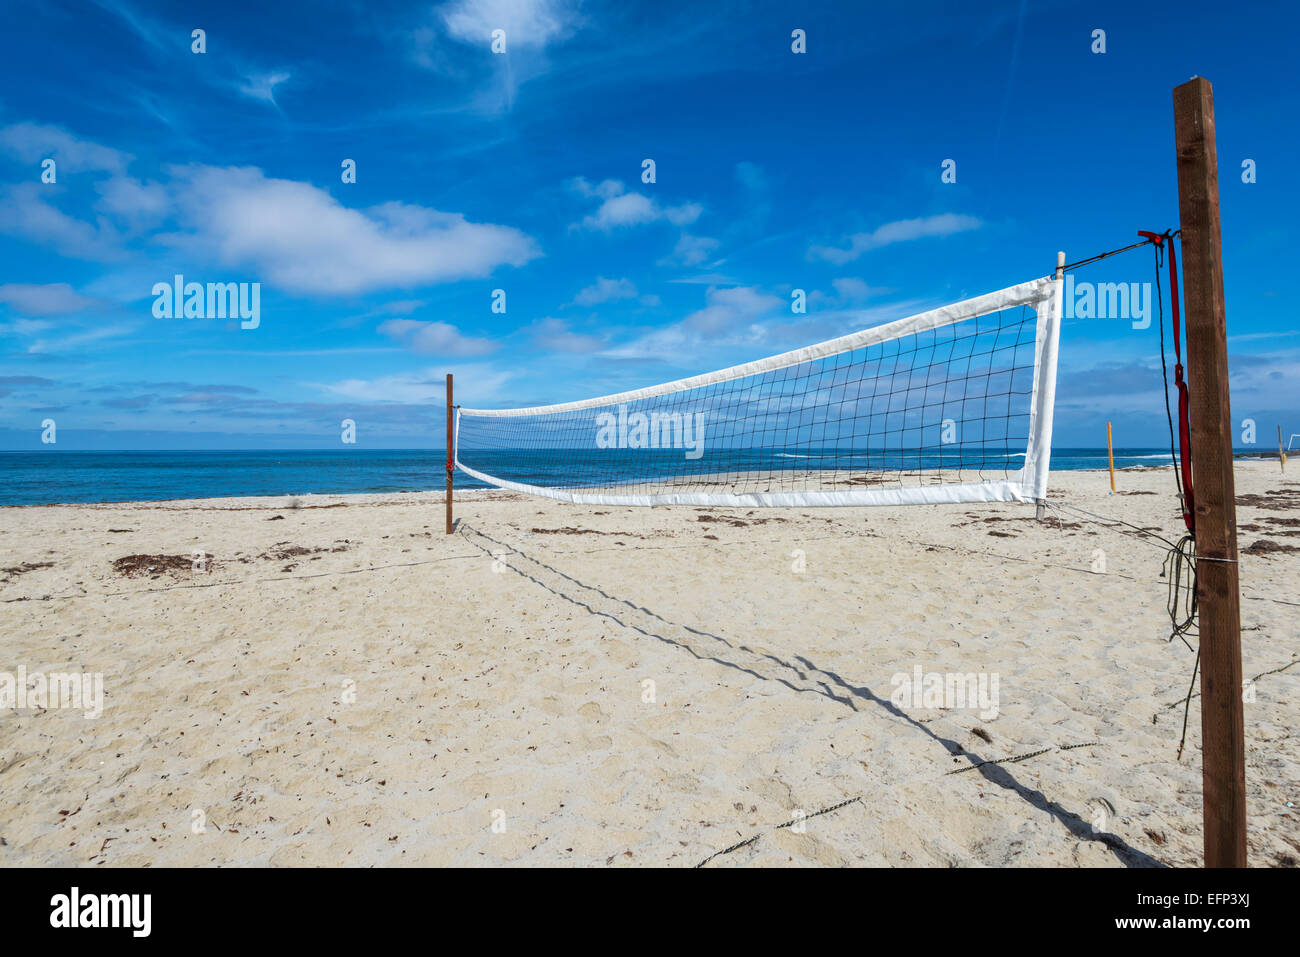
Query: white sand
514, 687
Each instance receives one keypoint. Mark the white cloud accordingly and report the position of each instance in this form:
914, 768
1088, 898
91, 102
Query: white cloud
288, 233
301, 239
606, 290
33, 142
527, 23
129, 199
903, 230
849, 291
630, 209
57, 298
730, 308
606, 189
25, 212
731, 316
691, 250
261, 86
435, 338
555, 335
619, 208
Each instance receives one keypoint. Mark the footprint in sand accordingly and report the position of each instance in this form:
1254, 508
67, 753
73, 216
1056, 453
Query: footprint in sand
592, 710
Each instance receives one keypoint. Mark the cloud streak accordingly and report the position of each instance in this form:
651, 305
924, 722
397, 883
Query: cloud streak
900, 231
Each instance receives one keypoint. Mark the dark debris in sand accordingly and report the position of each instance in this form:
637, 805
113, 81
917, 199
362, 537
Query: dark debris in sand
1281, 498
15, 570
1265, 547
1053, 523
281, 551
740, 522
153, 566
570, 530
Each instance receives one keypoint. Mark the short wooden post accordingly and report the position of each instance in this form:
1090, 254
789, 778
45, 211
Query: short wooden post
1110, 457
1223, 762
451, 449
1281, 453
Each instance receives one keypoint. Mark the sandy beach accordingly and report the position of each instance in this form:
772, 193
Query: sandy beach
337, 682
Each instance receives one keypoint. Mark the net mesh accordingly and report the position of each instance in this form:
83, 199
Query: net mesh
919, 405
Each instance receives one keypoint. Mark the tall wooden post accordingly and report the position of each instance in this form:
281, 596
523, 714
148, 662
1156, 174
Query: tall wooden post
451, 440
1281, 454
1223, 762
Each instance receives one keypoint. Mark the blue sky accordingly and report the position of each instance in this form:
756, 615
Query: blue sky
522, 171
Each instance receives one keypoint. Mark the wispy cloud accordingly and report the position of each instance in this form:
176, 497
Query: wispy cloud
26, 212
482, 381
606, 290
901, 231
435, 338
690, 250
730, 316
555, 335
80, 337
49, 299
261, 86
33, 142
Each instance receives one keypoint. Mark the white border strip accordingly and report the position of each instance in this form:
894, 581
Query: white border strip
1033, 293
1001, 491
1042, 405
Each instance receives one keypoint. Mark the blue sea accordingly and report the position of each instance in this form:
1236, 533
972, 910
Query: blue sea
48, 477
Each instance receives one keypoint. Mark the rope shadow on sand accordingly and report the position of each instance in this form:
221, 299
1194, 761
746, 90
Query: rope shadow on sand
815, 680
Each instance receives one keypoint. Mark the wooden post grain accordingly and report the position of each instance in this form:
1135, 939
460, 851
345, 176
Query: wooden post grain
451, 446
1223, 765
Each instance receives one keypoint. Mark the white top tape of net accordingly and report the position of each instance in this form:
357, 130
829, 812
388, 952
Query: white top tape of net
1028, 485
1034, 293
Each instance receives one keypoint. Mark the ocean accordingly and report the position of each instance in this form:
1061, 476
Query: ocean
50, 477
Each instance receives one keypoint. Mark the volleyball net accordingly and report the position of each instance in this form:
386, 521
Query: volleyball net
951, 405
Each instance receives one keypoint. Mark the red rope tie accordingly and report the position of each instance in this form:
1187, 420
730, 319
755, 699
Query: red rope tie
1184, 426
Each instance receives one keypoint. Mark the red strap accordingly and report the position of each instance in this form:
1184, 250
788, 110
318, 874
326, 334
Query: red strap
1184, 426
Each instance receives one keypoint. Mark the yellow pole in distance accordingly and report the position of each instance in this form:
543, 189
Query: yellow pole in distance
1110, 455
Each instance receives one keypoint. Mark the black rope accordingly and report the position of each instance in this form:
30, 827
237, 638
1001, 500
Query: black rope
1180, 562
1187, 705
1101, 256
1164, 372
